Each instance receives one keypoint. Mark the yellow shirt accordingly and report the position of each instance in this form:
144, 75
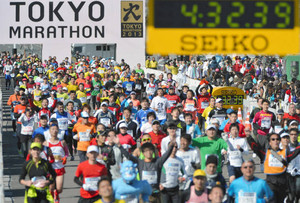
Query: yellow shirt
73, 75
206, 112
147, 64
153, 64
101, 71
82, 97
55, 81
86, 74
50, 73
37, 98
72, 87
173, 69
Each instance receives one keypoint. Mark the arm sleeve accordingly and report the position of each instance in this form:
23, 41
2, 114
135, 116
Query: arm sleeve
77, 181
128, 155
23, 172
256, 148
160, 161
293, 154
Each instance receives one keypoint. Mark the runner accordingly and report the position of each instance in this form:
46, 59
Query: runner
60, 152
91, 172
40, 176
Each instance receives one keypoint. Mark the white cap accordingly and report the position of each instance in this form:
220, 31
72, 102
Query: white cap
123, 125
84, 114
284, 134
65, 88
211, 126
119, 82
219, 100
94, 71
104, 103
92, 148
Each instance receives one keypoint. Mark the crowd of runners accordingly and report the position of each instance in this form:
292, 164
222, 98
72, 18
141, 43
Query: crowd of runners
149, 138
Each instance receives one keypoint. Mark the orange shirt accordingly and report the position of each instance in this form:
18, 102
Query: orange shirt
19, 109
84, 135
79, 80
92, 120
13, 98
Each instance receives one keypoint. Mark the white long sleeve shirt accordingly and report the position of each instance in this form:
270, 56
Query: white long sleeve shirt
235, 156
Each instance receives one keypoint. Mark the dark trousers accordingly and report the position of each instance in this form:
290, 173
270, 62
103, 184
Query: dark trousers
41, 197
170, 195
69, 140
294, 188
279, 190
82, 156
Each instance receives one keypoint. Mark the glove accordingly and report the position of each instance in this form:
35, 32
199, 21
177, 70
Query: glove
64, 160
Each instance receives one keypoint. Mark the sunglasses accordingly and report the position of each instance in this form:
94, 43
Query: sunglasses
146, 139
277, 139
248, 166
294, 134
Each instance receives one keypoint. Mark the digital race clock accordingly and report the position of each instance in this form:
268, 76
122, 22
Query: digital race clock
223, 14
192, 27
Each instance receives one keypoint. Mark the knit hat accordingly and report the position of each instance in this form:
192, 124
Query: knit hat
211, 159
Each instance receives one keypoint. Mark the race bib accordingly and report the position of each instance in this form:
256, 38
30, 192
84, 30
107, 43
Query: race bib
249, 197
273, 162
235, 158
91, 184
171, 103
151, 90
105, 121
266, 122
84, 136
62, 123
26, 130
83, 100
37, 98
138, 87
150, 177
204, 105
128, 87
189, 107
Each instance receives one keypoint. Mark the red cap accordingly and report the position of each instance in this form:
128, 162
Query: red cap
24, 79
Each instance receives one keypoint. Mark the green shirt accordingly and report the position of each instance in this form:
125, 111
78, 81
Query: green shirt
97, 86
140, 71
208, 147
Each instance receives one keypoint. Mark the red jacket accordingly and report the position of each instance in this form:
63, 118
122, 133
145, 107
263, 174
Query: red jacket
203, 102
173, 100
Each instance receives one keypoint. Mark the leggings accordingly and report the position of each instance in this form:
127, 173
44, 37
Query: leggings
7, 82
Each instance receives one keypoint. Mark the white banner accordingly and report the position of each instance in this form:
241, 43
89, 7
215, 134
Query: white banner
57, 24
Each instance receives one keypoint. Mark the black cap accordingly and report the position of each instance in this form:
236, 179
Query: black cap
172, 125
155, 122
211, 159
24, 97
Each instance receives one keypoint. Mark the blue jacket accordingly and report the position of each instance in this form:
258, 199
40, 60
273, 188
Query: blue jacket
40, 130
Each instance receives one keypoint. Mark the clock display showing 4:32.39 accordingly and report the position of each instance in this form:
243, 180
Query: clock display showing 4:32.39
232, 99
224, 14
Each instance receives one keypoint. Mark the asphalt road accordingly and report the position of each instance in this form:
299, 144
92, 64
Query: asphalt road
14, 191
